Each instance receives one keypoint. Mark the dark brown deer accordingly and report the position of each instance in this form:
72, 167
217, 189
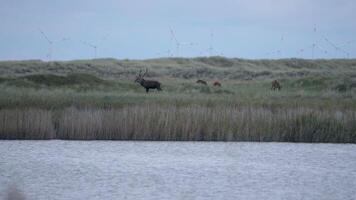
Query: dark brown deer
217, 84
202, 82
147, 84
276, 85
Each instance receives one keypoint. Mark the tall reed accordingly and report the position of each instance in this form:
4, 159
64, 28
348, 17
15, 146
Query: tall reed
26, 124
186, 123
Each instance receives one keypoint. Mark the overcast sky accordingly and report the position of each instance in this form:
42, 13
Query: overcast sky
139, 29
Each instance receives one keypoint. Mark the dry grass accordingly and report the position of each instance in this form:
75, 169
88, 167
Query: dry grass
26, 124
189, 123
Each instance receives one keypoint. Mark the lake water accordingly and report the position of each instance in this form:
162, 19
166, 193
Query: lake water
177, 170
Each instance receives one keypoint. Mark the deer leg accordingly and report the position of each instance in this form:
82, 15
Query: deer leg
147, 89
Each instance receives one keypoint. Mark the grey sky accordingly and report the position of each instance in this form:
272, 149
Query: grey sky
140, 29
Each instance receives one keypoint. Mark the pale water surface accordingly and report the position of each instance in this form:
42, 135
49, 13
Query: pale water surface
177, 170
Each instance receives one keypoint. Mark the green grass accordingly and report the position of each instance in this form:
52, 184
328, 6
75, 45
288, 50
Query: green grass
53, 91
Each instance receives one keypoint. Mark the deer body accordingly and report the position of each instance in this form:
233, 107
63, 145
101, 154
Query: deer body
148, 84
217, 84
202, 82
276, 85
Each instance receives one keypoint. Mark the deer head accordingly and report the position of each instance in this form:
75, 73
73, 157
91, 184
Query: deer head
139, 78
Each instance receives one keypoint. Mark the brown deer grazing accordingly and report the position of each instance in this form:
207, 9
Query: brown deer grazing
217, 84
147, 84
276, 85
202, 82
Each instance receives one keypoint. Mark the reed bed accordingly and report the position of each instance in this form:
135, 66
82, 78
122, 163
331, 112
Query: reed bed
189, 123
26, 124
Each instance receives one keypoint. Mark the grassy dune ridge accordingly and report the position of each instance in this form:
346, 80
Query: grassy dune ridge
185, 68
97, 99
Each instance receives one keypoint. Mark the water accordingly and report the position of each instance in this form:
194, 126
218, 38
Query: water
177, 170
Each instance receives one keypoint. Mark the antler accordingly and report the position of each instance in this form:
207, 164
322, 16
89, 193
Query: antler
139, 73
145, 73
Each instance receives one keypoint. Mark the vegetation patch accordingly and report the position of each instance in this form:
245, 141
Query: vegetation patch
312, 82
216, 61
71, 79
187, 123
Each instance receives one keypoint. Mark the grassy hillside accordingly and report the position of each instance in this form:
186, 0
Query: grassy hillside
183, 68
311, 90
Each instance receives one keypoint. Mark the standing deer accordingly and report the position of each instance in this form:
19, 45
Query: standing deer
217, 84
276, 85
147, 84
202, 82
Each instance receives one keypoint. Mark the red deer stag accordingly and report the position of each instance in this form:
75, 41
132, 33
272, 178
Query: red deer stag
217, 84
202, 82
147, 84
276, 85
